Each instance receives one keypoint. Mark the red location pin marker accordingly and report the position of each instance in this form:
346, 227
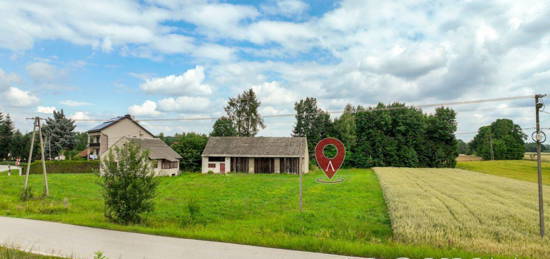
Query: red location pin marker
330, 165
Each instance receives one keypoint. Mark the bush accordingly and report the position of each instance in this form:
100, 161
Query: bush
65, 167
128, 184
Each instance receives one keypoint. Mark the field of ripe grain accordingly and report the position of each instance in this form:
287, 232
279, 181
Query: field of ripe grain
459, 208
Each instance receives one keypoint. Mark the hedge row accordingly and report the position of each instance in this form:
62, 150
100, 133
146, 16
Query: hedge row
66, 167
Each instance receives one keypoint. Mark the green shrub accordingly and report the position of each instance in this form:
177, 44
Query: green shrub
65, 167
128, 184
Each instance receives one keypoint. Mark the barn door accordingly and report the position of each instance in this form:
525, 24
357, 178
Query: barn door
222, 168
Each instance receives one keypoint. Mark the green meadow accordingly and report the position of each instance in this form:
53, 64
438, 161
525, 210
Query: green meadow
349, 218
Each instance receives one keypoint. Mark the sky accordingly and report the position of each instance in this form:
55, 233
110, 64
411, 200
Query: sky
184, 59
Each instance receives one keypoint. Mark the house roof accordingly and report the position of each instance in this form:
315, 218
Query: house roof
113, 121
157, 148
256, 146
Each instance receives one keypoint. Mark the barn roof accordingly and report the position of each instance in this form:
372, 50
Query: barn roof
256, 146
157, 148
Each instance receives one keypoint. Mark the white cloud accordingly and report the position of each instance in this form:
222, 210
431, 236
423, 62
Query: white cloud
72, 103
45, 109
272, 93
184, 104
285, 7
188, 83
147, 108
7, 79
80, 116
19, 98
44, 72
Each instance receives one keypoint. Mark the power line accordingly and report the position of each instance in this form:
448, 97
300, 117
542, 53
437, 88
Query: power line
341, 111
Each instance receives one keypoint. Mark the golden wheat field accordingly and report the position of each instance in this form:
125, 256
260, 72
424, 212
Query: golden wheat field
459, 208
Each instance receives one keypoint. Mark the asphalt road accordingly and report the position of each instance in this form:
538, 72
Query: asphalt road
52, 238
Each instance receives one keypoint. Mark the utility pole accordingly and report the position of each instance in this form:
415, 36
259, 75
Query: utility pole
35, 127
538, 106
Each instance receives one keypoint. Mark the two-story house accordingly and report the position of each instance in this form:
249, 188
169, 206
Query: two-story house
121, 130
104, 135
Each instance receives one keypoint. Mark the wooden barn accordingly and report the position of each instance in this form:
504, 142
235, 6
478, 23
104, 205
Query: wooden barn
256, 155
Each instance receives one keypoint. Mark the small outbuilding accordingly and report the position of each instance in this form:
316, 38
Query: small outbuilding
256, 155
165, 161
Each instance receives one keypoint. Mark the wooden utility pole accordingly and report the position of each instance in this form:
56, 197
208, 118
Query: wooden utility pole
538, 106
38, 127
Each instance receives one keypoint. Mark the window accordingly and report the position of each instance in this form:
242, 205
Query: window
211, 165
169, 165
216, 159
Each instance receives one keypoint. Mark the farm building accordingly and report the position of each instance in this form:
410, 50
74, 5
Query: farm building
165, 161
256, 155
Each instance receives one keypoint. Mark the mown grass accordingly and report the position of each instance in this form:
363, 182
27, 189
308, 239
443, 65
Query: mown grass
516, 169
348, 218
9, 253
467, 209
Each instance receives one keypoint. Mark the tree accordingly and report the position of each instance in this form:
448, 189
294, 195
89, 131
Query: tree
6, 135
223, 127
463, 147
243, 112
440, 146
503, 138
128, 183
190, 147
389, 137
80, 141
311, 122
344, 130
59, 133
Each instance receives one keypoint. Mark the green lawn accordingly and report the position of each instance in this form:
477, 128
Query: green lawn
348, 218
517, 169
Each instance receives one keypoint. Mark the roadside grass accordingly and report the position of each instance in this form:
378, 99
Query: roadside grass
516, 169
10, 253
348, 218
466, 209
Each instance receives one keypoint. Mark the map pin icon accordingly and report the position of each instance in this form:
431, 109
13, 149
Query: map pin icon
330, 165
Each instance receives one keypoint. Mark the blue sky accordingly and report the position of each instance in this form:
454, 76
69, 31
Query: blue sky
168, 58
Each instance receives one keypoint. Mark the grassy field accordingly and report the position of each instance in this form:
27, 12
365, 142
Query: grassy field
466, 209
517, 169
348, 218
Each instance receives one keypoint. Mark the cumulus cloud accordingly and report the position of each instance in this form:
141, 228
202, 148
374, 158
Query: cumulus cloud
184, 104
20, 98
190, 82
73, 103
272, 93
45, 109
147, 108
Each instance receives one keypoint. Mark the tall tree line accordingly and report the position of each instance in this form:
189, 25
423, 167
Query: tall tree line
385, 135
